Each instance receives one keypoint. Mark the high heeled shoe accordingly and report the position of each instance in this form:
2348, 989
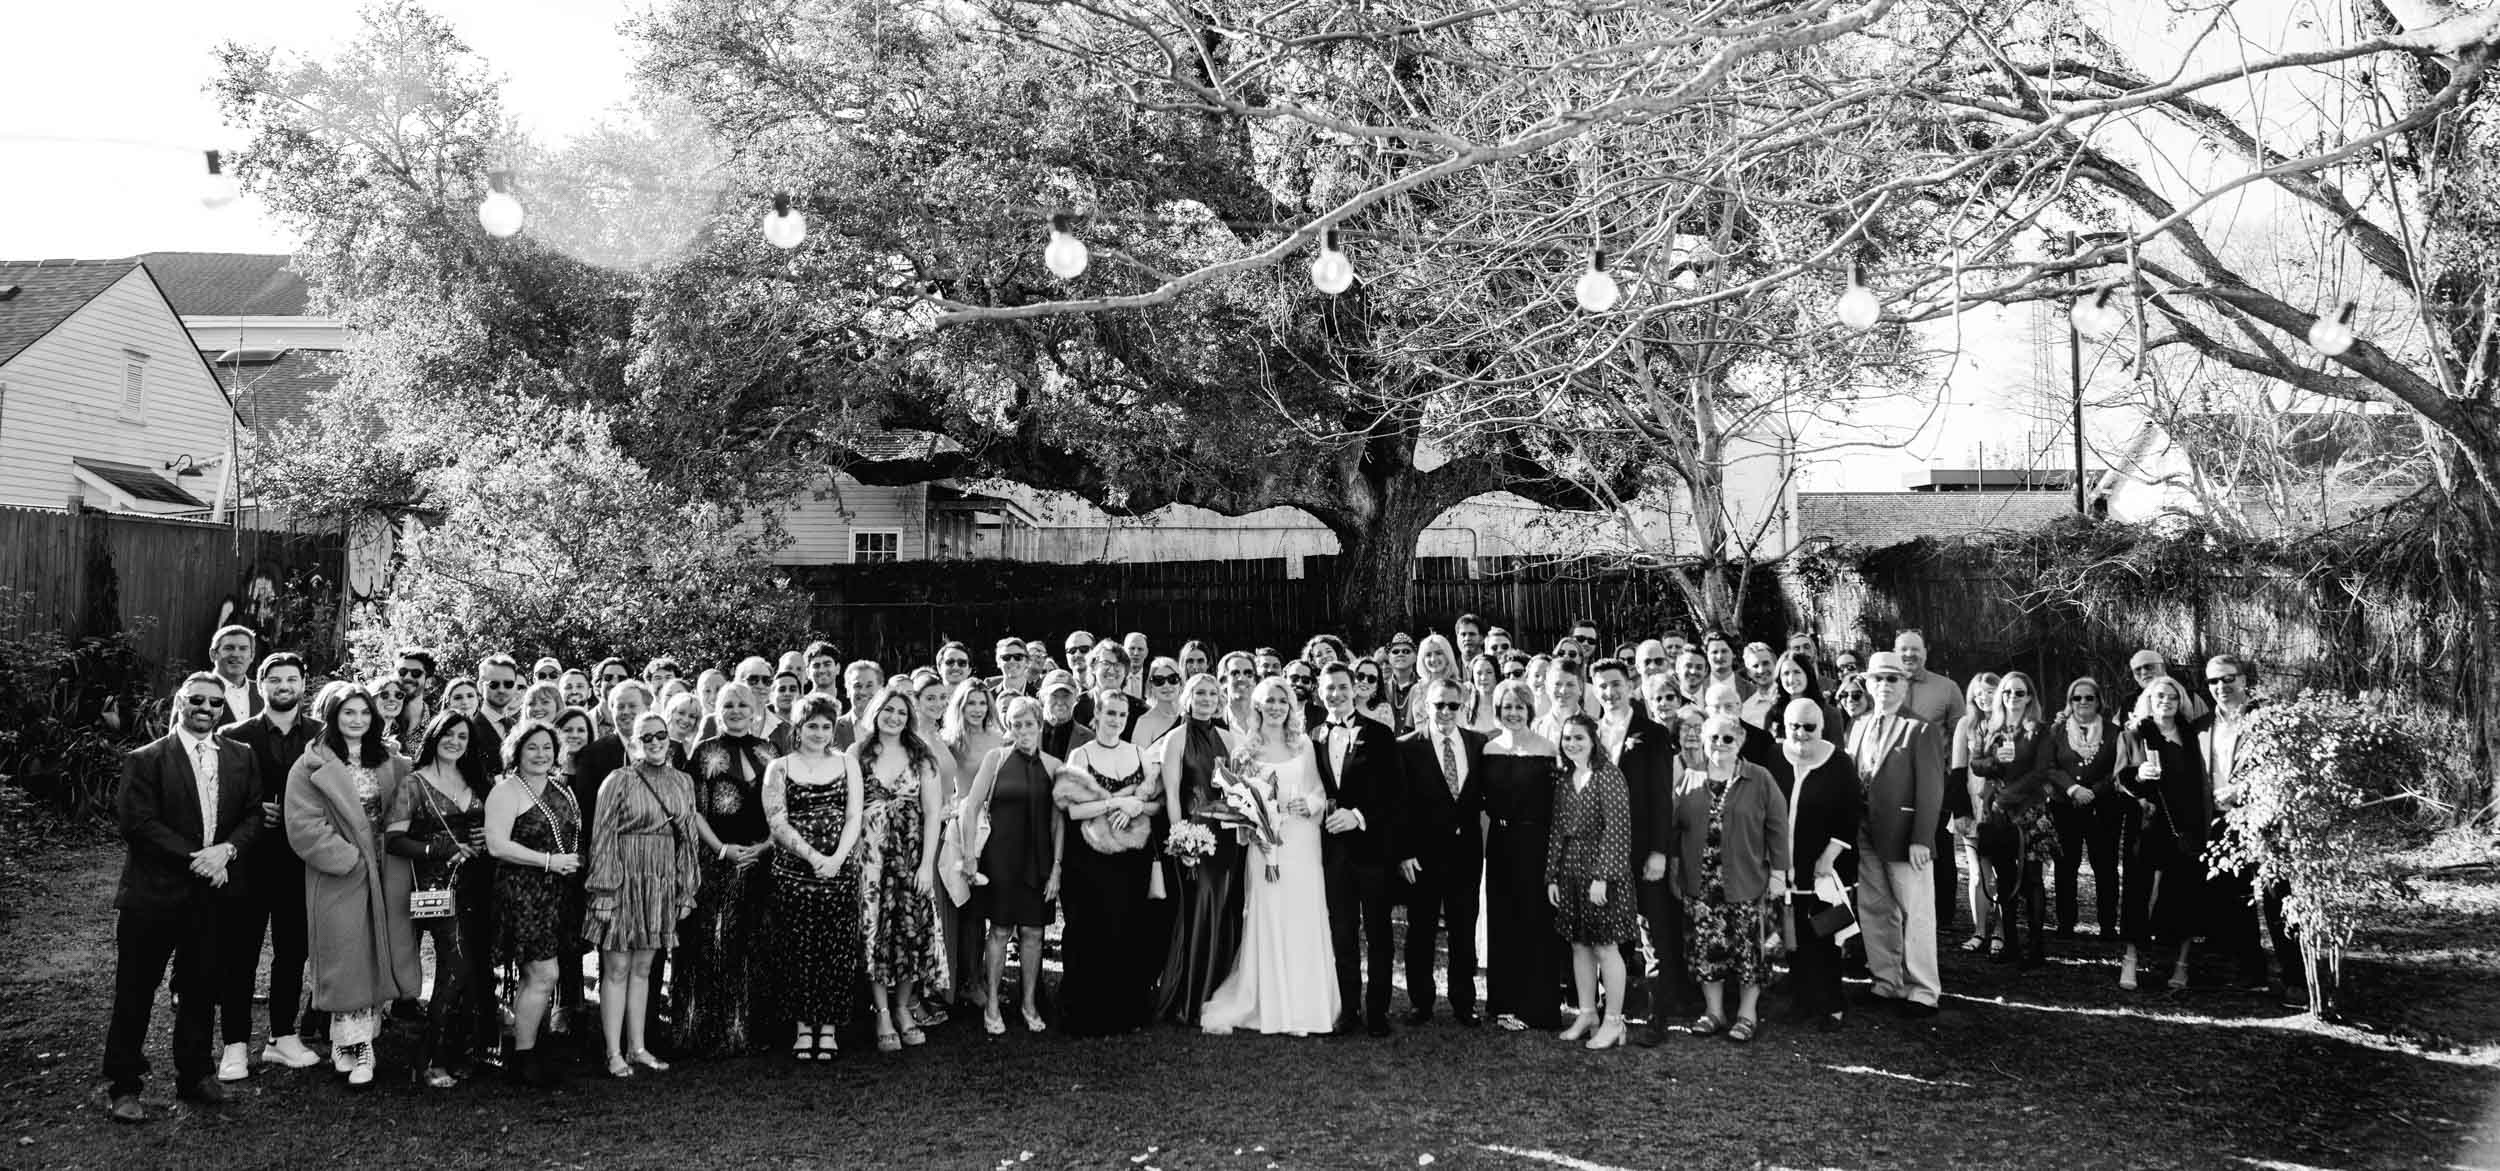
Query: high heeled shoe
1581, 1025
1610, 1034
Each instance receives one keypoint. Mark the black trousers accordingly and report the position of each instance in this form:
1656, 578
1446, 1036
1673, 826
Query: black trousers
1520, 944
144, 942
2236, 910
1814, 968
1360, 898
2020, 897
271, 908
1948, 886
2088, 832
1445, 896
1660, 979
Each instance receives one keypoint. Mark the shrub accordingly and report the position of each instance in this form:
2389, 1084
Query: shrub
55, 695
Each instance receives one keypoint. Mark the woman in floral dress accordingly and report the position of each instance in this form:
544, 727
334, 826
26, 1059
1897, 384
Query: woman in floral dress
900, 787
717, 973
1731, 830
812, 801
644, 871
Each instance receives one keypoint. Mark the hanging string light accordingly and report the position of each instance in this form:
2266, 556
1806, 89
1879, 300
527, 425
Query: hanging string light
2332, 336
1065, 256
784, 227
1597, 292
220, 188
499, 213
1858, 308
1331, 272
2100, 316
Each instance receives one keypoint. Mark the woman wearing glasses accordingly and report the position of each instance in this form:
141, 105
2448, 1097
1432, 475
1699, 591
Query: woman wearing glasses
1160, 711
1371, 698
2082, 760
644, 870
2162, 771
1825, 809
2009, 778
1731, 860
363, 945
390, 702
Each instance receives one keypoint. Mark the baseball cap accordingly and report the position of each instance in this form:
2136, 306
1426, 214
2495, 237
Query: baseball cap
1402, 638
1058, 681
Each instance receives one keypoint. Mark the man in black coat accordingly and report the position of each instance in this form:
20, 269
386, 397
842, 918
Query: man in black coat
1359, 765
272, 901
1645, 750
1440, 845
190, 804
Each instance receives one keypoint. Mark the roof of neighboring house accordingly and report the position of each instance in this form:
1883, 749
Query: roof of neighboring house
48, 293
1881, 519
272, 386
141, 483
230, 284
880, 446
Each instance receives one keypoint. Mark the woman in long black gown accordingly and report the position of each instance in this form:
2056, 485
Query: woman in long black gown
1110, 802
1522, 954
718, 982
2164, 898
1206, 929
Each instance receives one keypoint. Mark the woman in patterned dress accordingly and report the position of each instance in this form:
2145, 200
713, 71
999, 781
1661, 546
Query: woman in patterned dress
363, 946
534, 832
1731, 828
899, 817
1588, 864
812, 802
644, 871
717, 972
1018, 887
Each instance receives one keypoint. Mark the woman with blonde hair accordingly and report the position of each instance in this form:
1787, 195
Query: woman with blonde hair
1018, 864
2162, 770
1435, 661
2010, 791
1980, 699
1284, 977
1207, 897
645, 867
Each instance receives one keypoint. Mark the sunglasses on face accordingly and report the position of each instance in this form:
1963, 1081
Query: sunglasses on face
1724, 738
786, 689
1805, 727
1445, 706
2014, 693
610, 680
2083, 697
2221, 678
1371, 679
1164, 680
1300, 680
208, 701
1012, 657
652, 738
549, 673
387, 694
412, 672
502, 685
954, 662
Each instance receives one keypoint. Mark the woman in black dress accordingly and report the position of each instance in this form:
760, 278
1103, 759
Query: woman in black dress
2088, 809
437, 821
2165, 775
1522, 953
717, 981
534, 831
812, 800
1110, 803
1207, 922
1018, 883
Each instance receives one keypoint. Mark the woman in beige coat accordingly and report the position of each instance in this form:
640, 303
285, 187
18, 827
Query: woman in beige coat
364, 949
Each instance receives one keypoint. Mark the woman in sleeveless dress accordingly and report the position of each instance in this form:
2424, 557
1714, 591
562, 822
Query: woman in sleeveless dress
1017, 887
899, 816
812, 800
1110, 803
1206, 928
716, 976
1284, 978
970, 733
534, 832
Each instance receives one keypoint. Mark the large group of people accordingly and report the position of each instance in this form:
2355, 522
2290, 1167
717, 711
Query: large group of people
773, 853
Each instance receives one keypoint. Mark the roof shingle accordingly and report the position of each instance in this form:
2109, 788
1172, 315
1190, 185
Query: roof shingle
230, 284
1882, 519
48, 292
268, 393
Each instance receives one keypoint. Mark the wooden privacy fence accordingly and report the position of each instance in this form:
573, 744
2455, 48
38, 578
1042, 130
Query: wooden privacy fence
168, 579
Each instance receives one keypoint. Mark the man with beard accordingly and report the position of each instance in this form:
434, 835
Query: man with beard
272, 900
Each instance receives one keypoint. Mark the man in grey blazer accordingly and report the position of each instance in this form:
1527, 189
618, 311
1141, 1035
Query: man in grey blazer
1900, 762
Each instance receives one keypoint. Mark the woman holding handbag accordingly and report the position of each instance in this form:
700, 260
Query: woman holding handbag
437, 821
644, 869
364, 952
1109, 799
2164, 774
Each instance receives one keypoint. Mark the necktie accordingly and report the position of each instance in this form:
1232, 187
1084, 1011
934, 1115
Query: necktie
1449, 762
204, 768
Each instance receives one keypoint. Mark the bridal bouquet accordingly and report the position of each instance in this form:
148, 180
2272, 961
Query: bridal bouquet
1248, 790
1191, 843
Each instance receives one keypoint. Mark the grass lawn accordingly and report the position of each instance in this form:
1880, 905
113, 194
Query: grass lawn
2052, 1068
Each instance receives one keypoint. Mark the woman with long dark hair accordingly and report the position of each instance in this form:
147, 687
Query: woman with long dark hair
812, 801
1793, 678
534, 831
1588, 879
437, 821
364, 950
900, 812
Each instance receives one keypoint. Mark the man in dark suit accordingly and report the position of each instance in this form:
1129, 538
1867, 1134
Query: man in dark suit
1900, 763
190, 804
1358, 763
1644, 750
1441, 844
272, 901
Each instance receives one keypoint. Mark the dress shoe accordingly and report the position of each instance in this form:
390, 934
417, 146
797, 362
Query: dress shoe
1830, 1023
289, 1052
1467, 1016
126, 1108
234, 1063
1347, 1025
1609, 1035
1650, 1035
1417, 1018
1378, 1026
204, 1092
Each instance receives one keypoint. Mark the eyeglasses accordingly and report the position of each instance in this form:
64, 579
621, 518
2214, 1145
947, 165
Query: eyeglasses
652, 738
1300, 680
1164, 680
610, 680
549, 673
1366, 677
412, 672
213, 701
954, 661
757, 680
786, 689
1805, 727
2015, 693
1396, 651
388, 693
1242, 674
502, 684
2083, 697
1013, 657
1445, 706
1724, 738
2222, 678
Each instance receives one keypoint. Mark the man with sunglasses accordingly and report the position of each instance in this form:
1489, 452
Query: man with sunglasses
272, 900
1304, 679
548, 669
189, 805
2238, 904
1078, 649
1401, 678
1900, 767
230, 654
1497, 643
499, 680
1014, 669
1650, 659
1441, 843
954, 665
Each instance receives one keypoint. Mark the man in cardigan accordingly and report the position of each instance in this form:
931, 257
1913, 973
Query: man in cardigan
189, 806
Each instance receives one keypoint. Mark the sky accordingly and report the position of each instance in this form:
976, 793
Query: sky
113, 167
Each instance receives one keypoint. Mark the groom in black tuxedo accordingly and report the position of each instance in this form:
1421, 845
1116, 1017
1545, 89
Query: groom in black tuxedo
1440, 846
1358, 762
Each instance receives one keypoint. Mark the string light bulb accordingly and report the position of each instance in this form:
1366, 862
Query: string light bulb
1597, 292
220, 188
1331, 272
1065, 256
2332, 336
499, 213
784, 227
2099, 316
1858, 308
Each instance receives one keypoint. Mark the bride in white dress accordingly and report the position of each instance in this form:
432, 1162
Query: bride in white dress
1284, 978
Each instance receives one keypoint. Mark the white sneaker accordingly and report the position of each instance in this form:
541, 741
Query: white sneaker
235, 1063
289, 1052
361, 1074
342, 1057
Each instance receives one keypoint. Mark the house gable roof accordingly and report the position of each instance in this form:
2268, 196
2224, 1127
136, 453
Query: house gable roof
1882, 519
230, 284
49, 292
272, 387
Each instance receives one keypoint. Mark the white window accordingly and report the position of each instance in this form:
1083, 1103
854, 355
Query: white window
869, 545
134, 386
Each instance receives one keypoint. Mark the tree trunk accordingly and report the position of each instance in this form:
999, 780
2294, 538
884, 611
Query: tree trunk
1376, 537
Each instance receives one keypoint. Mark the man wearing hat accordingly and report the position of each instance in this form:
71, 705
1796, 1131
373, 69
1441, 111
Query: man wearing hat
1060, 731
1401, 677
1900, 763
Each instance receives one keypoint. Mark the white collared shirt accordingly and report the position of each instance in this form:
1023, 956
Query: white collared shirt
238, 700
